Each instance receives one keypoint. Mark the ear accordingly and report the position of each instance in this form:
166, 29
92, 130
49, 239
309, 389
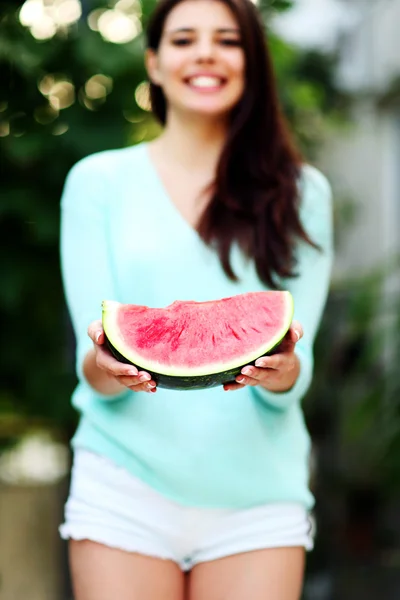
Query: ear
151, 64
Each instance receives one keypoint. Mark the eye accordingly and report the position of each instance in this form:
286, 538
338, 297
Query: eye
181, 41
231, 42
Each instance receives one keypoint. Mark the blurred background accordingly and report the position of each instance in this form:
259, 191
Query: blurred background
72, 82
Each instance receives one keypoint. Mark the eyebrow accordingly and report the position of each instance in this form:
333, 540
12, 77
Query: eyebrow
191, 30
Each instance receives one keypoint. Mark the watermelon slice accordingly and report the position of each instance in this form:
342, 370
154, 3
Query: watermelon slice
196, 345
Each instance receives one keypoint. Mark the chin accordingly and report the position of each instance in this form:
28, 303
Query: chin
211, 111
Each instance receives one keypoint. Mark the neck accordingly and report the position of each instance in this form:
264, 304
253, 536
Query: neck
194, 143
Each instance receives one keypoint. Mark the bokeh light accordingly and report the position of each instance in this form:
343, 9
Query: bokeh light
118, 25
98, 86
60, 129
142, 96
4, 128
129, 7
45, 114
67, 12
62, 95
87, 102
93, 18
45, 84
59, 92
44, 18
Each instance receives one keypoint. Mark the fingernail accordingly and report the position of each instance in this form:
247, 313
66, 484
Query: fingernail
132, 372
241, 380
246, 371
259, 363
297, 335
97, 337
150, 385
144, 378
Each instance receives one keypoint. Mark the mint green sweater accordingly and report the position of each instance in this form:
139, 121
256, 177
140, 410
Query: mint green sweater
122, 239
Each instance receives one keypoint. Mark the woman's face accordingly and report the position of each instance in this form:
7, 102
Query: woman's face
200, 61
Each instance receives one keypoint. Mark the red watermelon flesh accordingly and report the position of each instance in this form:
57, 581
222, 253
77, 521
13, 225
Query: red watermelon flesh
197, 339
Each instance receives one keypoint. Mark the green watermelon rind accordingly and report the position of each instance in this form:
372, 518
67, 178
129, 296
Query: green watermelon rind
190, 382
210, 376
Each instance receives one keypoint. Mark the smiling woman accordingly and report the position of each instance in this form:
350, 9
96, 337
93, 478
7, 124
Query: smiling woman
221, 203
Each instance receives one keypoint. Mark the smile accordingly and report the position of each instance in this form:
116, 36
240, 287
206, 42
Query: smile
205, 82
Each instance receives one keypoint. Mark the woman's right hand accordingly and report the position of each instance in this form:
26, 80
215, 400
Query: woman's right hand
125, 375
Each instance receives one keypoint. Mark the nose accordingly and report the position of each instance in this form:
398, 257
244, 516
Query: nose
205, 49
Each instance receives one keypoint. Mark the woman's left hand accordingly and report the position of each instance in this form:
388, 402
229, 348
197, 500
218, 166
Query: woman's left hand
276, 373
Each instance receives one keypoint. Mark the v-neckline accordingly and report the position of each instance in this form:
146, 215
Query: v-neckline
164, 192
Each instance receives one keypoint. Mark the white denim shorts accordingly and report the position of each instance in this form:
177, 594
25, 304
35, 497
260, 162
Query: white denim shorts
110, 506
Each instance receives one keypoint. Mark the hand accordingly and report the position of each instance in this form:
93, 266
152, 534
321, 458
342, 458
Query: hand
125, 375
276, 373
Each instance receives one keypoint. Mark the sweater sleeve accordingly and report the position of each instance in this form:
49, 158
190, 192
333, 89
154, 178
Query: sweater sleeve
85, 259
310, 288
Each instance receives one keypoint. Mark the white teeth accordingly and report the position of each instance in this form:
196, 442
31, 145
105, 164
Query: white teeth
205, 81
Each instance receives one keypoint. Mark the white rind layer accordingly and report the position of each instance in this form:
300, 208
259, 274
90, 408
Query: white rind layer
110, 326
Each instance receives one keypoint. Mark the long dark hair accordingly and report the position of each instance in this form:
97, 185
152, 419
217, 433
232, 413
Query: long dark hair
255, 199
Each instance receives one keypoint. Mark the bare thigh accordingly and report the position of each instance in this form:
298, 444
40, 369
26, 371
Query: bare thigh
271, 574
102, 573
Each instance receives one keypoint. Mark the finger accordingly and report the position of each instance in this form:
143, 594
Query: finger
149, 386
264, 362
136, 386
107, 362
231, 387
251, 372
271, 362
141, 378
296, 331
95, 332
277, 362
249, 380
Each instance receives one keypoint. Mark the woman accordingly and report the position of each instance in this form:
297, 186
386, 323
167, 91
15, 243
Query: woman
201, 495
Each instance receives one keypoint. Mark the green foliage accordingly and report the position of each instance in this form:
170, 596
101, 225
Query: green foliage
50, 117
357, 381
310, 98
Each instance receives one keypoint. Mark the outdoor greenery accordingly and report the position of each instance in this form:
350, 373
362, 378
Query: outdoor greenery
353, 414
356, 386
